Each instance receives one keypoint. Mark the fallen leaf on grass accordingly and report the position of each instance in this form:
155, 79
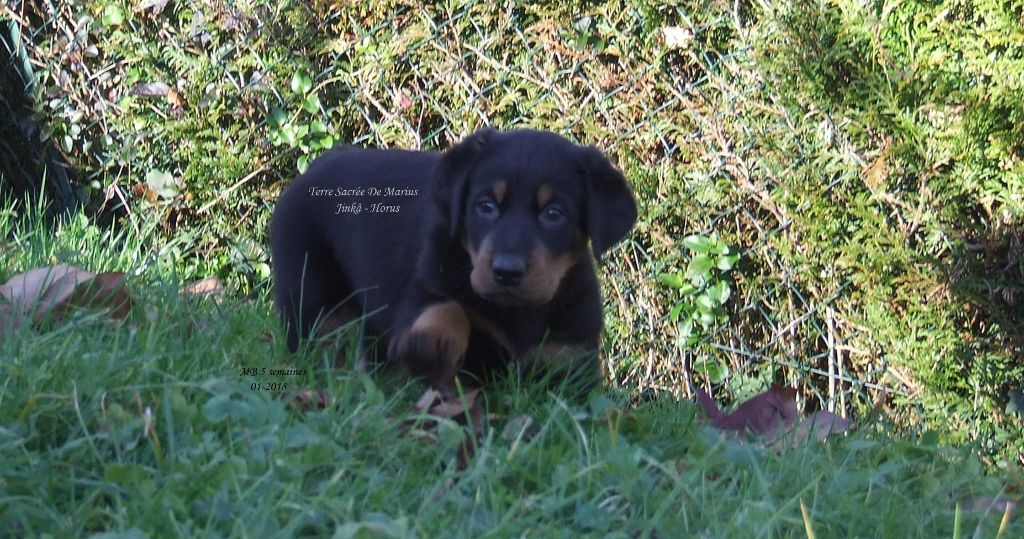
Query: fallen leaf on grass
25, 290
433, 402
175, 99
143, 190
676, 37
210, 286
105, 291
762, 414
876, 173
819, 425
151, 89
426, 400
458, 406
51, 291
462, 408
310, 399
773, 415
153, 6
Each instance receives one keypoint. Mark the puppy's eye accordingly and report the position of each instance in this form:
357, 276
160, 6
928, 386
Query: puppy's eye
552, 216
487, 208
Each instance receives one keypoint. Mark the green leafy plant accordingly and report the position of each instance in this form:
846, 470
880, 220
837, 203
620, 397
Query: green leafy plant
704, 287
301, 129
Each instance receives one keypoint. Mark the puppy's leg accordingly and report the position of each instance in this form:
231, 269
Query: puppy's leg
307, 290
434, 344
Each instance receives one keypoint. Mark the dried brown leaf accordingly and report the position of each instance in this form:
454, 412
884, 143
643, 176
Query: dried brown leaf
151, 89
57, 296
175, 99
708, 404
773, 415
50, 291
462, 405
461, 408
106, 291
153, 6
765, 413
311, 399
823, 424
26, 289
143, 190
39, 291
209, 286
676, 37
427, 399
819, 425
876, 174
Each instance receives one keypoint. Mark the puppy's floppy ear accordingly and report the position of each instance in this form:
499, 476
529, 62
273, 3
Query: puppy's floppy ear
611, 209
449, 190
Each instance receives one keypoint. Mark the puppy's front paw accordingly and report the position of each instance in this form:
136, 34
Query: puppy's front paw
433, 347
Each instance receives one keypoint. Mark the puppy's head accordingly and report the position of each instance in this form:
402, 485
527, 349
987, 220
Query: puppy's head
523, 204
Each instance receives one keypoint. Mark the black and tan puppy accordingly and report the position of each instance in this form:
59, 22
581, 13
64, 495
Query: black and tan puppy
461, 260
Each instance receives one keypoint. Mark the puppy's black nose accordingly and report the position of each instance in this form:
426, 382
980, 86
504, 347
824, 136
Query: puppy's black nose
508, 270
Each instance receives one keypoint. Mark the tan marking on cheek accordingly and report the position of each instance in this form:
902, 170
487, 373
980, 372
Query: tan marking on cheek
480, 277
546, 271
499, 190
544, 193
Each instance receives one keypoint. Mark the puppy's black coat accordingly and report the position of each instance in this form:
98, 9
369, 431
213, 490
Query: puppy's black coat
458, 260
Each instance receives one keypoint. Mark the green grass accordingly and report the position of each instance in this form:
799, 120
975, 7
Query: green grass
864, 158
148, 425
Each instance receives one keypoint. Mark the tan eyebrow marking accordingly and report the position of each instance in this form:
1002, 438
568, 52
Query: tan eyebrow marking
544, 193
499, 189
